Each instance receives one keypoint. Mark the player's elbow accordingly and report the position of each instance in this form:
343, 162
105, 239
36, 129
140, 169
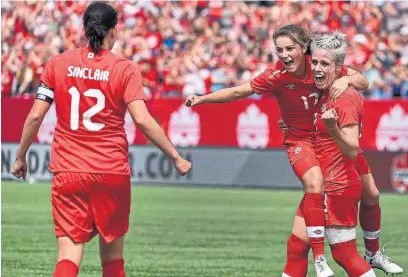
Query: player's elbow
34, 117
143, 120
140, 120
365, 84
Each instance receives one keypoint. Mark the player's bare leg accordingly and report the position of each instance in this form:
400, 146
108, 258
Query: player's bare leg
314, 211
112, 257
69, 257
370, 221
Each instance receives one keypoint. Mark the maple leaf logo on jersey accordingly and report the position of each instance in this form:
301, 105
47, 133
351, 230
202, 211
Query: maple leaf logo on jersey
184, 127
298, 150
392, 130
47, 129
253, 128
130, 128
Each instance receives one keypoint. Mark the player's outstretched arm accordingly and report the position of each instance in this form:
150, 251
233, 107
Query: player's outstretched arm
221, 96
152, 130
353, 78
346, 138
30, 130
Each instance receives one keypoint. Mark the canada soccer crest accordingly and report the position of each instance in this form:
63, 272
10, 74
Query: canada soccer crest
399, 173
298, 150
324, 108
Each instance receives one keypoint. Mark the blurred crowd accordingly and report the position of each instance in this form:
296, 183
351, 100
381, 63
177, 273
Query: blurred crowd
198, 47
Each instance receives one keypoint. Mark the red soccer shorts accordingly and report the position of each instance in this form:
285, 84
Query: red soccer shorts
362, 165
341, 208
301, 151
85, 204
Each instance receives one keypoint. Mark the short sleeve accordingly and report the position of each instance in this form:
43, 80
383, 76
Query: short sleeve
263, 83
47, 77
132, 84
45, 91
349, 109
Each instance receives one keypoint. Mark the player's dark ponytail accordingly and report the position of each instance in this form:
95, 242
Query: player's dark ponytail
98, 19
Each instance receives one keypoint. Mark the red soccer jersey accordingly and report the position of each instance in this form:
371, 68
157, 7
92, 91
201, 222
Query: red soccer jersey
91, 93
296, 97
338, 170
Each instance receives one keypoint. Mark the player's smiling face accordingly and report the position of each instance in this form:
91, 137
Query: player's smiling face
323, 68
291, 54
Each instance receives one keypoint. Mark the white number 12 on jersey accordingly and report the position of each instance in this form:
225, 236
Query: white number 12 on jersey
100, 104
313, 94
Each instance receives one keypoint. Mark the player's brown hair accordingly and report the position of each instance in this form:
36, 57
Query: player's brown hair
298, 35
99, 18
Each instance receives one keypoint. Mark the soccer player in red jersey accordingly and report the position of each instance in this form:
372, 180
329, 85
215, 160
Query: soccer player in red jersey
369, 215
338, 129
92, 88
293, 85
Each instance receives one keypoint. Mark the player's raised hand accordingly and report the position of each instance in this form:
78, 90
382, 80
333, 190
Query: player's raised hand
193, 100
19, 168
338, 87
282, 126
182, 165
330, 118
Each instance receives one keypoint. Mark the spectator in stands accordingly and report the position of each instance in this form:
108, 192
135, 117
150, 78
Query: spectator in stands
186, 47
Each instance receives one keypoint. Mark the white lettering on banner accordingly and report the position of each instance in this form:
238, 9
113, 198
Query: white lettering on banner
211, 166
253, 128
184, 127
392, 130
156, 166
38, 160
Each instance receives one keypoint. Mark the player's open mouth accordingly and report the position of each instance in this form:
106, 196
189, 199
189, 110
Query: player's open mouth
319, 79
288, 63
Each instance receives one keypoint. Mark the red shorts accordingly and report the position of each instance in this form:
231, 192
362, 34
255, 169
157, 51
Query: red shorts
85, 204
361, 165
341, 209
300, 148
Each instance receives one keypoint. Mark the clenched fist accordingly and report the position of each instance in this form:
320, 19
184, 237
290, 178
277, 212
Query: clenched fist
330, 118
193, 100
182, 165
20, 168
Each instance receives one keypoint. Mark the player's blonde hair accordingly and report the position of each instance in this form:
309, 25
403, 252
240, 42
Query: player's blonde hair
334, 42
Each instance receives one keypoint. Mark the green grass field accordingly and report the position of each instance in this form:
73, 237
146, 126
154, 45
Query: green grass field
181, 232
